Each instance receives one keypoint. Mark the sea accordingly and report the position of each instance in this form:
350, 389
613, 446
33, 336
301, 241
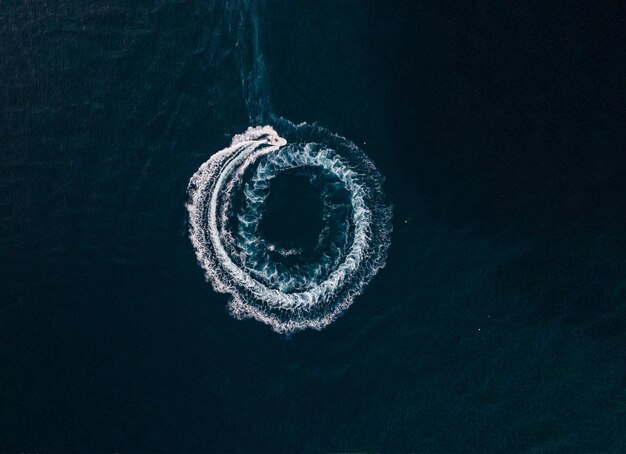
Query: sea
498, 323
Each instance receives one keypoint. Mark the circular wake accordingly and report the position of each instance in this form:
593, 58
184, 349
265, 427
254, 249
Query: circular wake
289, 286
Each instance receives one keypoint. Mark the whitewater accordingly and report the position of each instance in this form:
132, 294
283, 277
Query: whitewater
289, 289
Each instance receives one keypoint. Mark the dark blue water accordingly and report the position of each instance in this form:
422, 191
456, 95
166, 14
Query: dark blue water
499, 322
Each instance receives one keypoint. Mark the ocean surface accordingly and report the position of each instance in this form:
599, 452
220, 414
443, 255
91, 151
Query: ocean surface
499, 321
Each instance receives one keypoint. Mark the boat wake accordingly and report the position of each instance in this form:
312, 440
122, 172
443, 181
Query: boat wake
290, 289
288, 286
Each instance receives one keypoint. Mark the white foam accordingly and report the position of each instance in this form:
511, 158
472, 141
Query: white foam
260, 288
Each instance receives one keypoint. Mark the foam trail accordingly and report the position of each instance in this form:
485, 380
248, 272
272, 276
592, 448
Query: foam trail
288, 288
351, 248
